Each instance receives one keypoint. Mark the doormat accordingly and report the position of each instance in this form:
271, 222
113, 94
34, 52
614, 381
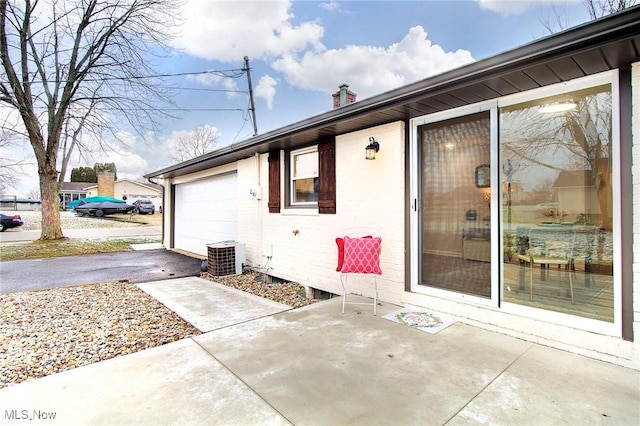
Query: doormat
420, 320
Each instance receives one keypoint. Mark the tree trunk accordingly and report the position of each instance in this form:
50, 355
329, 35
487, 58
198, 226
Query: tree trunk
605, 195
51, 226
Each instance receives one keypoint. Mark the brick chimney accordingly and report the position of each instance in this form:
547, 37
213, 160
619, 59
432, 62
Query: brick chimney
106, 181
343, 97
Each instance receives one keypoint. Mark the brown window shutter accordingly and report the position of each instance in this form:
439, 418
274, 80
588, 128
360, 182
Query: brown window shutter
327, 172
274, 181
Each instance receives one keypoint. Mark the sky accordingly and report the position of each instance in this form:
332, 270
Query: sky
300, 52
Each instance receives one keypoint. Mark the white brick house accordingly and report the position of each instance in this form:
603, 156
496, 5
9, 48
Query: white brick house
438, 192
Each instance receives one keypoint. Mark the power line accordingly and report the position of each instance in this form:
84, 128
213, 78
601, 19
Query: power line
43, 108
237, 73
196, 89
174, 109
230, 73
248, 114
199, 89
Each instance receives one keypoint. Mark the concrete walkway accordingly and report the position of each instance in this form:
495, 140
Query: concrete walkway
261, 363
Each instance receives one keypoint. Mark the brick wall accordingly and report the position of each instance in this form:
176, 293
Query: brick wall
344, 96
368, 194
106, 184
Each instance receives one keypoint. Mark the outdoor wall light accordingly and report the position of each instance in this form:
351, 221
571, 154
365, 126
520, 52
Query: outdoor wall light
371, 149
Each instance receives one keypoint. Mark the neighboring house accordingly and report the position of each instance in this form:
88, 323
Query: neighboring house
71, 191
438, 187
128, 190
576, 193
13, 203
120, 188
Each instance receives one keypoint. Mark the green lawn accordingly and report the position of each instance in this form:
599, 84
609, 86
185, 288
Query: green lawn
68, 247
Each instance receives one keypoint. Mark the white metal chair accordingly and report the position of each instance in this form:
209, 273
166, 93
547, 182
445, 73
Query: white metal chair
550, 245
359, 254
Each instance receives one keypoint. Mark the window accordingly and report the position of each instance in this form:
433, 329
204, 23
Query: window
304, 176
311, 178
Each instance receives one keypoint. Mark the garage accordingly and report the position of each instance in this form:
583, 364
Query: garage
206, 211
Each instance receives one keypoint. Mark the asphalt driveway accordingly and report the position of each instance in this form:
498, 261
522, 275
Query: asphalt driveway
135, 266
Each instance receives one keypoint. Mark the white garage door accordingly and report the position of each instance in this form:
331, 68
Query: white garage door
206, 212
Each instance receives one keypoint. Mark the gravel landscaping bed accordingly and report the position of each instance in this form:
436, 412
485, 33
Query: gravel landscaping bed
50, 331
285, 292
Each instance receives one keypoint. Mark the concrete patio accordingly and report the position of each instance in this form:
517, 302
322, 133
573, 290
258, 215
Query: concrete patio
259, 362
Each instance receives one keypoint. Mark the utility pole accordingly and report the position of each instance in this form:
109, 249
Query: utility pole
253, 107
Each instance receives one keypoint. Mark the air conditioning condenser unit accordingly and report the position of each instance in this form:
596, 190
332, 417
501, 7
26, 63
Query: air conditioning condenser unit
225, 258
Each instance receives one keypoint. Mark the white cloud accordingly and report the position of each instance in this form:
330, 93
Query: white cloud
231, 86
266, 30
227, 31
215, 79
121, 151
371, 70
128, 164
266, 89
505, 7
208, 79
124, 150
515, 7
330, 6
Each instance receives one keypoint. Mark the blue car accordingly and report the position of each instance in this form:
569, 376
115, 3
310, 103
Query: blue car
145, 206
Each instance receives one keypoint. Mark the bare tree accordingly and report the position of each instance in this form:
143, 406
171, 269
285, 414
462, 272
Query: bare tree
542, 192
576, 140
72, 58
34, 194
193, 144
600, 8
586, 140
10, 167
558, 20
71, 139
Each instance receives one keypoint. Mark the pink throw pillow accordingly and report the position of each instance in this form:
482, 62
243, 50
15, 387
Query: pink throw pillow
362, 255
340, 243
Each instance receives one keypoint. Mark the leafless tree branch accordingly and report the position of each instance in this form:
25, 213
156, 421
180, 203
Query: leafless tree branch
63, 61
193, 144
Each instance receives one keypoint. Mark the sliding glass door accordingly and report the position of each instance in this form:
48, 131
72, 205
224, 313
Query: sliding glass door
455, 216
557, 222
543, 164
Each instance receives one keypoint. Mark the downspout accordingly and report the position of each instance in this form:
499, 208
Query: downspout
259, 249
163, 209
